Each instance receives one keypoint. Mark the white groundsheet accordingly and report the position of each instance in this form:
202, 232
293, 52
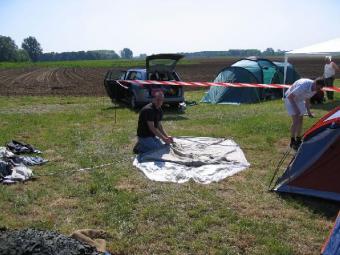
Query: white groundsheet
203, 159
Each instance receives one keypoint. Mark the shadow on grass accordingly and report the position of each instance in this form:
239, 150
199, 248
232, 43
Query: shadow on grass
114, 107
118, 105
174, 117
323, 207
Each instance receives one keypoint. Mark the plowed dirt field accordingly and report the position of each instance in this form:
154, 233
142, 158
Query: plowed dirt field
89, 81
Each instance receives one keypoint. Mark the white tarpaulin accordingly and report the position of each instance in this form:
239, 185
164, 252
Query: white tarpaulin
203, 159
328, 48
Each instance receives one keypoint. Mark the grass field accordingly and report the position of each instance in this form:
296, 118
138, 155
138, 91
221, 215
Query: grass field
235, 216
123, 63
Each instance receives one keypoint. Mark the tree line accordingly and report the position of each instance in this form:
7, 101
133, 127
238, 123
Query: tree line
126, 53
79, 55
31, 50
9, 51
234, 53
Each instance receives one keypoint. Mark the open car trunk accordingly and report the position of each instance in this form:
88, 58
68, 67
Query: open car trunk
161, 67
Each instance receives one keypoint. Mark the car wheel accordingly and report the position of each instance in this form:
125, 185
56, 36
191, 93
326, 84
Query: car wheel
133, 102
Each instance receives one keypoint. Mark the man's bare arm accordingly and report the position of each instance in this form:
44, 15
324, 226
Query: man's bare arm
307, 104
335, 66
157, 132
160, 126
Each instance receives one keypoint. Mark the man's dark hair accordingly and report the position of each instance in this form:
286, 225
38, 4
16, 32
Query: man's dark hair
320, 81
158, 91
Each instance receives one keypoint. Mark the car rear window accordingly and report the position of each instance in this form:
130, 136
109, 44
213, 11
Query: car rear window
166, 62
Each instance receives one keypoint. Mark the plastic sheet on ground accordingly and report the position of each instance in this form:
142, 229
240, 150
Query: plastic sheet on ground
203, 159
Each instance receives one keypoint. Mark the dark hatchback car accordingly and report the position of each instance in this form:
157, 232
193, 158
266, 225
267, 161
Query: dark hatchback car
160, 67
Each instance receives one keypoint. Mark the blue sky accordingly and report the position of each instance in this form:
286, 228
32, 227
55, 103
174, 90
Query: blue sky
156, 26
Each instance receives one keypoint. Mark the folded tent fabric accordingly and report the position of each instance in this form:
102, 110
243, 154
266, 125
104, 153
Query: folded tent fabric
19, 173
5, 168
13, 168
21, 147
5, 153
28, 160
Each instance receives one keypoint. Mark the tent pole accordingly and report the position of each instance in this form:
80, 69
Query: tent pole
285, 74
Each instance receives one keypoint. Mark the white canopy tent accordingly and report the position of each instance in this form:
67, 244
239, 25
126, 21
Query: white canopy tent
328, 48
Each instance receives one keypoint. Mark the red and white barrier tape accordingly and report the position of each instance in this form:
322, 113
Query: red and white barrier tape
208, 84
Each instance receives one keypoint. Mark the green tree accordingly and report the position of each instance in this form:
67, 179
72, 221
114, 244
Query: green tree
142, 56
33, 48
126, 53
22, 56
8, 49
269, 52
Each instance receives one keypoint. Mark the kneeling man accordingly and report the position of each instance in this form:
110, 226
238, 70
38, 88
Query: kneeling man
150, 131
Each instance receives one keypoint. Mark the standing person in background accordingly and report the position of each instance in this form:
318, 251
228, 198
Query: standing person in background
297, 104
329, 75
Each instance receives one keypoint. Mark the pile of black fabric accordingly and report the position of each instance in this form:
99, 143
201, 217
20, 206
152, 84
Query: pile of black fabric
38, 242
13, 167
20, 147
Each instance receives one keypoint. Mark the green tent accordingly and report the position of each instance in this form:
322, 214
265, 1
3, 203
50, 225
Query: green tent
291, 74
247, 71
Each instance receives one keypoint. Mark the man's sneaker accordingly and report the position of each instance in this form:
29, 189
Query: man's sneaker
135, 149
296, 145
292, 142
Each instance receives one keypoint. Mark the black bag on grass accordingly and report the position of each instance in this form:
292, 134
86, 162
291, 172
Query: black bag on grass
318, 98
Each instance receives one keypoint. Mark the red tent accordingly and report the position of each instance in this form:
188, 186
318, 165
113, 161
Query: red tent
315, 170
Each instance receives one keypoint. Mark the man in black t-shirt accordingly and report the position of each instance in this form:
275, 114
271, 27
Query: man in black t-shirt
150, 131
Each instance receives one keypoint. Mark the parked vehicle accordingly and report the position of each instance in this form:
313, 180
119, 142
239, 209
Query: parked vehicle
160, 67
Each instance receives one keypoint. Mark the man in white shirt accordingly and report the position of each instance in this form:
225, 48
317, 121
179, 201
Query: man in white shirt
329, 75
297, 104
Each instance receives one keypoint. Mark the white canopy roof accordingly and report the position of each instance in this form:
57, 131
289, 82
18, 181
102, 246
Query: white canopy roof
328, 48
